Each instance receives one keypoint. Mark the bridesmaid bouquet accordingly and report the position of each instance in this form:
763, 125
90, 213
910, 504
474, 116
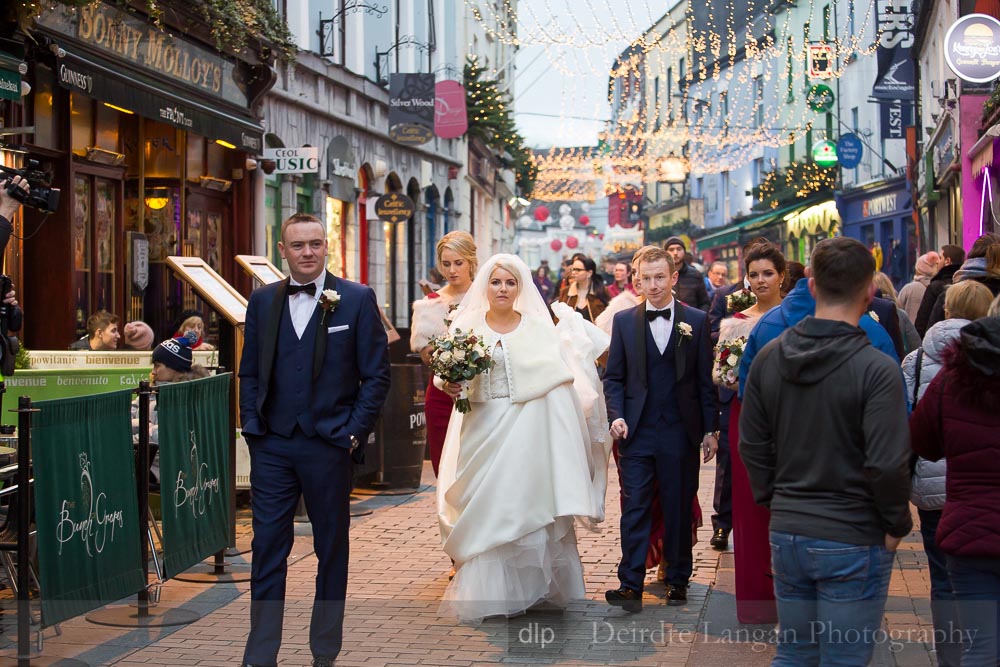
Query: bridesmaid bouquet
459, 357
740, 300
726, 368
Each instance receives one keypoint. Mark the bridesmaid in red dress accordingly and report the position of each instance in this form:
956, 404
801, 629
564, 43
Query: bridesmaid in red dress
765, 266
456, 260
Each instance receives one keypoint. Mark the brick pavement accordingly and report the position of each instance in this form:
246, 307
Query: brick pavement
398, 574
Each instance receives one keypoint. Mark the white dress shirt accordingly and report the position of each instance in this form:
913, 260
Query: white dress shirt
301, 306
662, 327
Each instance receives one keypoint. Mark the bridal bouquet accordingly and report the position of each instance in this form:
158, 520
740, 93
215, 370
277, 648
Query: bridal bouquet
459, 357
740, 300
726, 368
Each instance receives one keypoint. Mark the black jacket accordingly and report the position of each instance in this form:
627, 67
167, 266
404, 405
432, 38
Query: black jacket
690, 288
939, 283
937, 314
824, 437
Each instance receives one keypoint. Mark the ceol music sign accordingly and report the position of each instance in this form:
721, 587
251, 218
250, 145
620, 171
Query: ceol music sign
303, 160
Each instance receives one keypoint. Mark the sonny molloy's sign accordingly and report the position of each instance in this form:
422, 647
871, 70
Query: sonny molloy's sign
194, 434
87, 511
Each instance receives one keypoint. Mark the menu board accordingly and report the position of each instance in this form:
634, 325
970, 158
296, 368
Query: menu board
262, 270
211, 287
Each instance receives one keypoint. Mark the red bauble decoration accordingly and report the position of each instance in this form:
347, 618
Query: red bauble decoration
541, 214
572, 242
600, 236
556, 244
584, 219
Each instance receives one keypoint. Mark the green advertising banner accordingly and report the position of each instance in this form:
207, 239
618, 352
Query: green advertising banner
46, 385
86, 509
194, 431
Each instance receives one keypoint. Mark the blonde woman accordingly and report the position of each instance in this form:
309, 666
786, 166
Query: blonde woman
456, 260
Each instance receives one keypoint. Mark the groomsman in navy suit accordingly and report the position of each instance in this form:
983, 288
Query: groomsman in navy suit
313, 378
662, 408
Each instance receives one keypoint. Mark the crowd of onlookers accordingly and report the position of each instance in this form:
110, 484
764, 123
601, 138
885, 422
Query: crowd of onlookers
818, 468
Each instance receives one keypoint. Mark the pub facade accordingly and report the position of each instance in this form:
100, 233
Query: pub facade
152, 135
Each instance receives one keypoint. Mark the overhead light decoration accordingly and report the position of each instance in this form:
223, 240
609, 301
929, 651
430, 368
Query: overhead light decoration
117, 108
693, 119
225, 144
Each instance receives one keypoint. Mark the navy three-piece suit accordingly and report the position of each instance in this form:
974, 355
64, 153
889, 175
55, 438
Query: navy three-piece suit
668, 402
301, 400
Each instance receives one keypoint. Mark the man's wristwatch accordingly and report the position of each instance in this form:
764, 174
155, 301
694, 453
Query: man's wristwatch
354, 442
714, 434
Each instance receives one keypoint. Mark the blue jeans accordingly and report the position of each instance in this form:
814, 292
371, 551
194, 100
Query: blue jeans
976, 582
944, 611
831, 597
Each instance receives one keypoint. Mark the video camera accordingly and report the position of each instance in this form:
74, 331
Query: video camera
41, 195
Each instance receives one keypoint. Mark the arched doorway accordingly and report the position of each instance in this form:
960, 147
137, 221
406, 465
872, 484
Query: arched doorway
449, 210
412, 241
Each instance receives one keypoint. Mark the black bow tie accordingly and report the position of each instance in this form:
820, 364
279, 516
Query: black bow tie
309, 289
651, 315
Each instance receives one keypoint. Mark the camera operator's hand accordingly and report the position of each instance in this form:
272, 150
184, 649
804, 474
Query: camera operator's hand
8, 204
10, 299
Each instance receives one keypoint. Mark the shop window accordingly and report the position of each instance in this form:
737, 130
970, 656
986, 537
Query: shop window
81, 117
45, 116
107, 129
93, 241
216, 162
162, 151
195, 155
335, 236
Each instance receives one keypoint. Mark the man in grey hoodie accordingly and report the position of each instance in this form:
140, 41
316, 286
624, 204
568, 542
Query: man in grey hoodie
824, 437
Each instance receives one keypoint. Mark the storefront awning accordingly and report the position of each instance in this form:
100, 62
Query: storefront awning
96, 78
731, 233
981, 152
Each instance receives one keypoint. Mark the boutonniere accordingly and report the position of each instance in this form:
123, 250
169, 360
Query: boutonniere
872, 314
684, 329
328, 301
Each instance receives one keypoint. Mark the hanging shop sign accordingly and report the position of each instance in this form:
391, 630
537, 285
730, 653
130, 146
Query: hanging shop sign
820, 98
341, 168
972, 48
304, 160
411, 108
10, 85
849, 150
895, 116
126, 36
824, 154
451, 118
896, 75
820, 60
394, 207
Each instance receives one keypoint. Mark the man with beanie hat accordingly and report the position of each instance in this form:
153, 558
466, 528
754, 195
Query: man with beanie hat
137, 336
690, 286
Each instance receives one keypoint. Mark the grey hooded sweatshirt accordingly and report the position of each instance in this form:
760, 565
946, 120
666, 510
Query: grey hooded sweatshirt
824, 435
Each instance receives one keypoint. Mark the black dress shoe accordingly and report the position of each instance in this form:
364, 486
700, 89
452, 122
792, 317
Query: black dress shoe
676, 595
720, 539
323, 662
626, 598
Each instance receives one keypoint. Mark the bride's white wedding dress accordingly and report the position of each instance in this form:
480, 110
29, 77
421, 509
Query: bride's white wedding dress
516, 474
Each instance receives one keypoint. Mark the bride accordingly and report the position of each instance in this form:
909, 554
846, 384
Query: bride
524, 464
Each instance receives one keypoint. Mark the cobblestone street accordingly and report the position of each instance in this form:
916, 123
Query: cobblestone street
398, 574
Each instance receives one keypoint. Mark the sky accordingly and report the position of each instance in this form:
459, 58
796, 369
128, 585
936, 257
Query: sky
560, 87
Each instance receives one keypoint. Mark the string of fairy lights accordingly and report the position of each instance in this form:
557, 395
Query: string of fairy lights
747, 94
